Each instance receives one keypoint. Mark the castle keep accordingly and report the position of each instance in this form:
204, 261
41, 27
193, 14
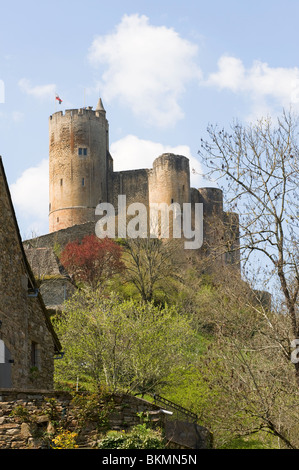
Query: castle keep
82, 176
79, 163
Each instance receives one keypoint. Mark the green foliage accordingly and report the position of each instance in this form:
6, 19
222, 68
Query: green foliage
57, 249
192, 390
212, 350
93, 407
22, 413
241, 382
127, 345
139, 437
52, 410
248, 443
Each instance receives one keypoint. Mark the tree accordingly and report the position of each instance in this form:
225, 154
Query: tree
259, 165
242, 384
92, 261
248, 365
127, 345
152, 264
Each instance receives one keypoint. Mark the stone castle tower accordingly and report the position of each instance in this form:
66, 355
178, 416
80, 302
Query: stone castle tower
78, 165
82, 176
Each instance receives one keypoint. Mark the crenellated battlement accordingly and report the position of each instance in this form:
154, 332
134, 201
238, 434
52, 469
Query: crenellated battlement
73, 113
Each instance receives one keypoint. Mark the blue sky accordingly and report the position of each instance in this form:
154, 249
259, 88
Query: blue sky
164, 69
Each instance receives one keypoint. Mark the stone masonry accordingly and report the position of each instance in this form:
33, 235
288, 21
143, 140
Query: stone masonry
27, 340
29, 419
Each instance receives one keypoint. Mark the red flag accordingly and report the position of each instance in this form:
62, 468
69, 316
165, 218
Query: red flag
59, 99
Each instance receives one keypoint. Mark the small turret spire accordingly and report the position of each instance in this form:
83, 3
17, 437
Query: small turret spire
100, 106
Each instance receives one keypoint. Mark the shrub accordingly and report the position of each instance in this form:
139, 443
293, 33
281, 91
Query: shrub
139, 437
64, 440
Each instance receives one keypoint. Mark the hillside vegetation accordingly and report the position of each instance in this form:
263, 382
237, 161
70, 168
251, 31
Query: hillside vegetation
194, 330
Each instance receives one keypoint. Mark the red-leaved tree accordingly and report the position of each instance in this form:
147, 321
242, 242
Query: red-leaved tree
92, 261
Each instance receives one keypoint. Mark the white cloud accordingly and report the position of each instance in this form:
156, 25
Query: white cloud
267, 86
231, 74
147, 68
30, 196
38, 91
131, 153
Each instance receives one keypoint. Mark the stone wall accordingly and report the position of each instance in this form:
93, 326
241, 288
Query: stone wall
25, 429
58, 240
132, 183
28, 417
188, 435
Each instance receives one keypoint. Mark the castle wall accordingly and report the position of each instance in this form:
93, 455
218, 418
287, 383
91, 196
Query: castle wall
221, 243
59, 239
132, 183
212, 199
78, 154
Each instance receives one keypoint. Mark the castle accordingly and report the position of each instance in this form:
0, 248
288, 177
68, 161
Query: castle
81, 176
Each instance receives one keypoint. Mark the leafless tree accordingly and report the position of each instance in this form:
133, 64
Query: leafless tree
258, 164
152, 264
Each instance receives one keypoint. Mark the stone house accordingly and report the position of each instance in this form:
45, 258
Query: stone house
28, 342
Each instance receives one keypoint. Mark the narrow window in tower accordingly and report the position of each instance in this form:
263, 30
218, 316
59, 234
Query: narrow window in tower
83, 182
82, 151
61, 182
171, 201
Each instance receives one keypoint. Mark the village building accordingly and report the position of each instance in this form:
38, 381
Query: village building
28, 343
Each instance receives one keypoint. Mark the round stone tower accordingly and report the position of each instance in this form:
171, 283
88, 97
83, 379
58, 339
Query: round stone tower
170, 180
212, 199
169, 184
78, 156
